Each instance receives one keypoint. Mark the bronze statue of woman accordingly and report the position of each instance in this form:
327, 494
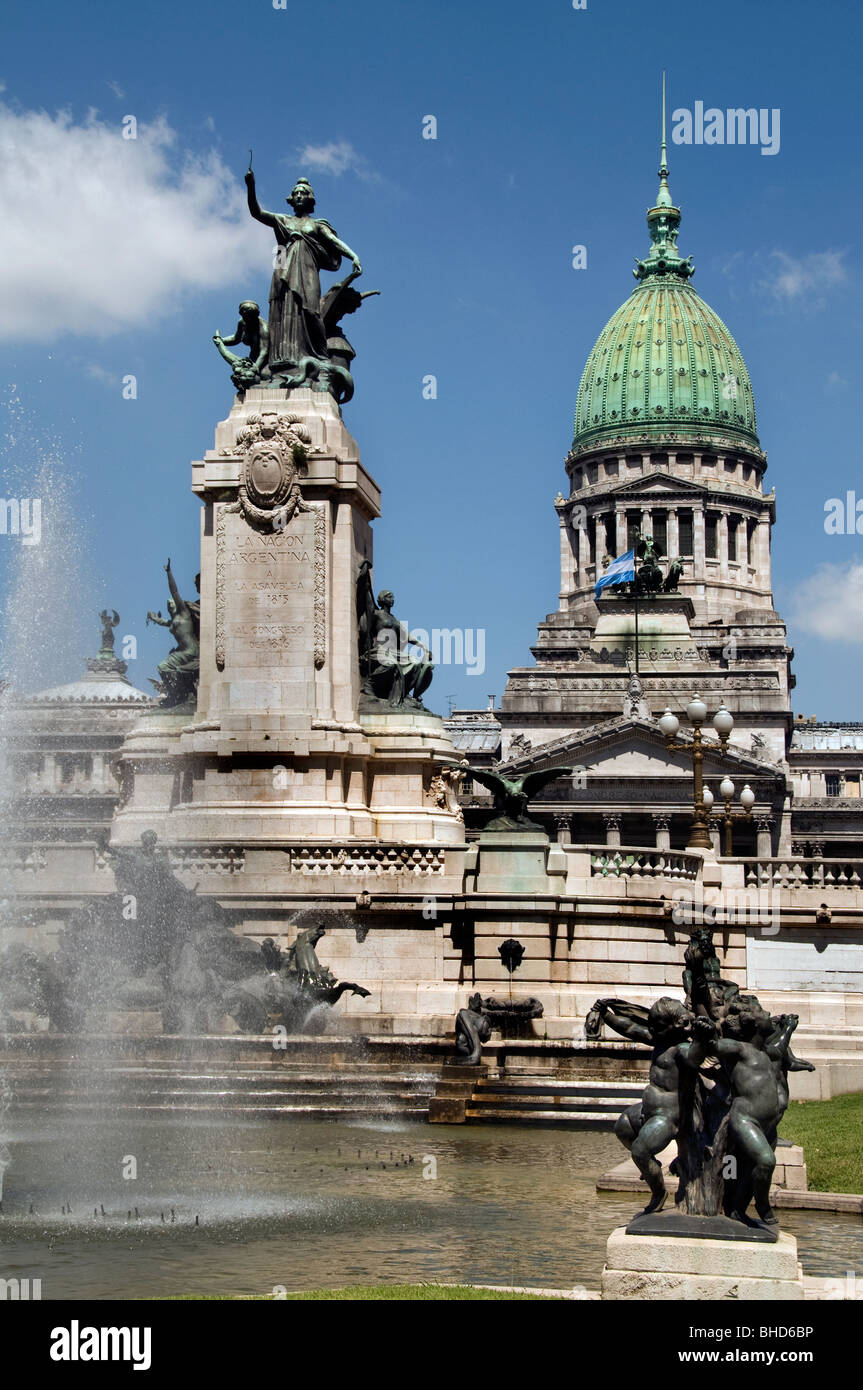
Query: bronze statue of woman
306, 246
178, 673
109, 618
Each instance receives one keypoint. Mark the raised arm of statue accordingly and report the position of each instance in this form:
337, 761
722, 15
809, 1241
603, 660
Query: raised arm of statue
172, 585
268, 218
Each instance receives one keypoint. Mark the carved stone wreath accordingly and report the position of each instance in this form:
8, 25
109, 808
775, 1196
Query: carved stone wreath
273, 449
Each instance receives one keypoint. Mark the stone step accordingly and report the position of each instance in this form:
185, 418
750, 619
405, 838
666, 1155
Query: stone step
35, 1096
535, 1100
274, 1069
113, 1080
621, 1091
325, 1110
580, 1104
584, 1119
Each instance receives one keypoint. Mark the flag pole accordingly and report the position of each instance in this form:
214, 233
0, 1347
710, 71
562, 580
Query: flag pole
635, 596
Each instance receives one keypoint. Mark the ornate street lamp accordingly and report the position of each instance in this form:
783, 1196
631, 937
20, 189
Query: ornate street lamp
747, 801
723, 723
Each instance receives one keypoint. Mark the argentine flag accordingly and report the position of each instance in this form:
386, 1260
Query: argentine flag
619, 571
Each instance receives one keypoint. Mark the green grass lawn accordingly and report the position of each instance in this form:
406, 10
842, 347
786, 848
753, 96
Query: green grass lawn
831, 1132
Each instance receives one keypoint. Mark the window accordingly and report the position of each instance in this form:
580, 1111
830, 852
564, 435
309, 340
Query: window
711, 524
832, 780
633, 529
733, 522
660, 531
852, 785
750, 540
684, 531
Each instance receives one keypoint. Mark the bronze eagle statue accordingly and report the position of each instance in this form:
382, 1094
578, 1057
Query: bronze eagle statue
511, 795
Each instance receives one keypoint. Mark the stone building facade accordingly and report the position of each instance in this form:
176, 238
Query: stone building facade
666, 446
63, 785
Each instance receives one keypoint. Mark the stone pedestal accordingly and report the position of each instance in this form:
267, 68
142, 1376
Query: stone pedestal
666, 1268
276, 753
663, 625
513, 861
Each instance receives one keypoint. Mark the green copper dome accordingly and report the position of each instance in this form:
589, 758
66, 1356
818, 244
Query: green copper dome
665, 364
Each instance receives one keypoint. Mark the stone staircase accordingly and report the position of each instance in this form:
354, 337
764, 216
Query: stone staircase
537, 1100
470, 1095
287, 1090
326, 1078
524, 1081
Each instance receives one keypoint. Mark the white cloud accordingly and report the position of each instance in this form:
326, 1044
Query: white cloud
791, 277
829, 604
101, 374
100, 234
115, 88
337, 157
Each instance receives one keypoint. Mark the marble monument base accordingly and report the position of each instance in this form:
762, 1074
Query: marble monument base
663, 625
689, 1269
513, 861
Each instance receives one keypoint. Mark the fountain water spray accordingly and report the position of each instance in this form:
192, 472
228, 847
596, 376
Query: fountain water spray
42, 617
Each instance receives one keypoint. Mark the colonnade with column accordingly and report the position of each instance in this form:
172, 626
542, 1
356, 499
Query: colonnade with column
59, 773
567, 830
606, 531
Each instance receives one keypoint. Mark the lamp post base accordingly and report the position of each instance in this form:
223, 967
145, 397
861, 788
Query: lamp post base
699, 838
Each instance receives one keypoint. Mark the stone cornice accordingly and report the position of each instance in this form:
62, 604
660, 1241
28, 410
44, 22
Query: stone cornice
690, 443
672, 492
623, 731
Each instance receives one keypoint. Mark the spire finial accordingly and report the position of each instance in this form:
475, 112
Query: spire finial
664, 198
663, 221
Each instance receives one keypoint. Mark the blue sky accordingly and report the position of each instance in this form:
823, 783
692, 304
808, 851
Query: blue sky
123, 257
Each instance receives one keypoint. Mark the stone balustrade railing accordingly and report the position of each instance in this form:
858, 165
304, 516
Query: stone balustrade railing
642, 863
419, 861
804, 873
219, 859
27, 859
